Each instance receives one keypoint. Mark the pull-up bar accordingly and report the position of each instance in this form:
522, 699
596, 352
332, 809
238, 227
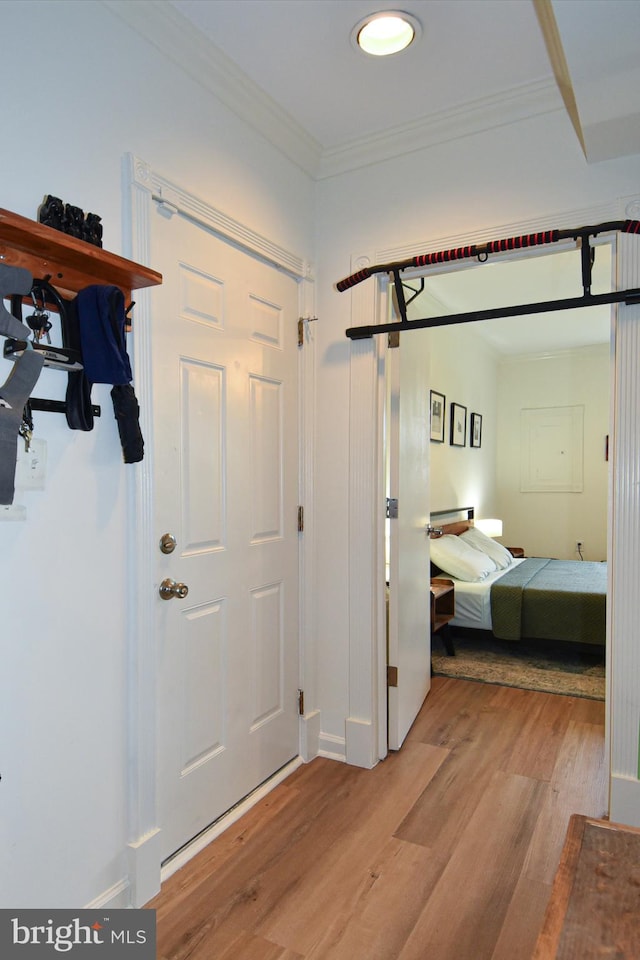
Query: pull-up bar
481, 252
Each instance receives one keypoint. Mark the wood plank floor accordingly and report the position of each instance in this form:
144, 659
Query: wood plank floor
446, 850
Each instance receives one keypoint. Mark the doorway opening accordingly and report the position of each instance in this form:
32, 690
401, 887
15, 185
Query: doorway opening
497, 368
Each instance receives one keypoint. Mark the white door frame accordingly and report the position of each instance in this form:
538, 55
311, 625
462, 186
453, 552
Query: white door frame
366, 724
142, 187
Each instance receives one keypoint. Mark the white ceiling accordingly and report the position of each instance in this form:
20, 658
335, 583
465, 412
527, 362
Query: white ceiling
289, 68
600, 41
300, 53
482, 57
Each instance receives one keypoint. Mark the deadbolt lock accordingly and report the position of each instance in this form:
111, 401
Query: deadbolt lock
167, 543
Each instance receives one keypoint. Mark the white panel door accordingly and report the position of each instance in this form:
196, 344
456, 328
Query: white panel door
226, 475
409, 563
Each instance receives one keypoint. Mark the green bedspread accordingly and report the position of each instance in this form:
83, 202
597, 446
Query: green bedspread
551, 600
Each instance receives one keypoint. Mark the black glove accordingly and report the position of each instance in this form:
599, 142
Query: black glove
127, 413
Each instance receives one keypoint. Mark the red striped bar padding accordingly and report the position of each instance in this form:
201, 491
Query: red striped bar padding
493, 246
519, 243
351, 281
444, 256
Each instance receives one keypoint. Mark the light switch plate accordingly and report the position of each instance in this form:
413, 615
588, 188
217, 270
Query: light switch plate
13, 511
31, 466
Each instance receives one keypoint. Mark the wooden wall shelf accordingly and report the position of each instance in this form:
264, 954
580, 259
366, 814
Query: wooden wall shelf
71, 263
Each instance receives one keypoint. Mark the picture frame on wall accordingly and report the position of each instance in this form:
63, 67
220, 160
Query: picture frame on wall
458, 437
475, 434
437, 416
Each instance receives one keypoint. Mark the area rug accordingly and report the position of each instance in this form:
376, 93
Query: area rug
531, 665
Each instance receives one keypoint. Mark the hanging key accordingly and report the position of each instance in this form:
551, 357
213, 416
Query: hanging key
26, 433
25, 430
39, 320
40, 323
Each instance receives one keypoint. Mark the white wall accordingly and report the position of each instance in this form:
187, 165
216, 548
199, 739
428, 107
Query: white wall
98, 93
464, 368
548, 524
468, 371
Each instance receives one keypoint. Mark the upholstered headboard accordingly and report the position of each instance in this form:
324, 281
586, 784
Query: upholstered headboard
455, 527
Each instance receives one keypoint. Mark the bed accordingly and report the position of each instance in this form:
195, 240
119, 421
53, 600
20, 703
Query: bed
519, 598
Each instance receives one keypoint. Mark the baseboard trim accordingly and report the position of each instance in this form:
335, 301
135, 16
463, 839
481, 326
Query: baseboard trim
360, 743
144, 867
625, 801
332, 748
204, 839
116, 897
310, 735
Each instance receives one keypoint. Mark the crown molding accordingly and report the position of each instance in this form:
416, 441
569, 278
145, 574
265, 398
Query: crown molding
476, 116
177, 39
594, 349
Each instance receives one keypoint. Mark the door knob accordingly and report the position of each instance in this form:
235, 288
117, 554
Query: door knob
169, 589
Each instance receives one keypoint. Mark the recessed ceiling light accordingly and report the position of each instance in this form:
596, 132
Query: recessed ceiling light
385, 33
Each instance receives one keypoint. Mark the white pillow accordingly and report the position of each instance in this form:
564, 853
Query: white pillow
480, 541
459, 560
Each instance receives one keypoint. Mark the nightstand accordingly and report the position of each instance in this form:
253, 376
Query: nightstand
516, 551
443, 609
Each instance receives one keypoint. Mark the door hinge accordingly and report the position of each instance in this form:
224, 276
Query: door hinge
301, 323
301, 703
300, 519
394, 339
392, 676
392, 508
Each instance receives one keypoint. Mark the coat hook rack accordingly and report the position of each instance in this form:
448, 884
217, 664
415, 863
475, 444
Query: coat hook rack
56, 406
